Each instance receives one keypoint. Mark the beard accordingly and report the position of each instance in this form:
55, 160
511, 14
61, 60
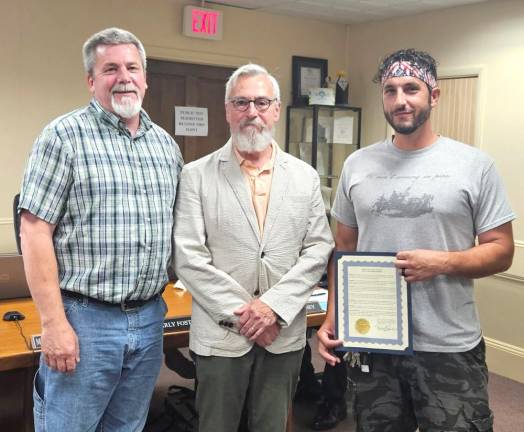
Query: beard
128, 106
252, 139
407, 128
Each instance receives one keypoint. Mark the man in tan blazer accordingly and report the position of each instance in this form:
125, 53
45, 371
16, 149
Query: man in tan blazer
252, 240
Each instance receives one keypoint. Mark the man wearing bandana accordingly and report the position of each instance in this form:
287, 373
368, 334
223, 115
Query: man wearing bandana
441, 206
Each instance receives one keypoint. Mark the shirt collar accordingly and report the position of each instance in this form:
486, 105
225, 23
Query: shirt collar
115, 121
268, 166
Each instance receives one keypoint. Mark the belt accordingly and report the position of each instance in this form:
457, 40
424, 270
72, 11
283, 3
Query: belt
124, 305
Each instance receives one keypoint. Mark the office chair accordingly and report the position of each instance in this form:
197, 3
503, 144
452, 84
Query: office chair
16, 223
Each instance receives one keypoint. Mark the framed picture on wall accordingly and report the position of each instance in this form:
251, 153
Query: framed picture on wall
307, 73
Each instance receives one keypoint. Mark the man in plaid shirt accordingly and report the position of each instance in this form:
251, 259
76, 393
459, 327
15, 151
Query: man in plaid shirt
97, 215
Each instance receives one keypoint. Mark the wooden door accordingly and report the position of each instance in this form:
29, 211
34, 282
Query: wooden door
173, 84
454, 116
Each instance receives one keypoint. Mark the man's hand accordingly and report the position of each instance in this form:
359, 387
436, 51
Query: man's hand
268, 336
60, 346
327, 341
421, 264
255, 318
492, 254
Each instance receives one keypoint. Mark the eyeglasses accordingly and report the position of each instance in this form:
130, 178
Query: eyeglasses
262, 104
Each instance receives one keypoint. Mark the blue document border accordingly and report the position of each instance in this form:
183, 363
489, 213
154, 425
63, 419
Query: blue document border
409, 350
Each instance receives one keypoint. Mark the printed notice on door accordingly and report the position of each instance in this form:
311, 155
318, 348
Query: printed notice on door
191, 121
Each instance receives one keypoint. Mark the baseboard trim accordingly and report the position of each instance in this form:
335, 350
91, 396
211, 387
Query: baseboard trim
505, 359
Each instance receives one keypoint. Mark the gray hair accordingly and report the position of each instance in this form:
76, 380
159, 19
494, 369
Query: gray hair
109, 36
249, 70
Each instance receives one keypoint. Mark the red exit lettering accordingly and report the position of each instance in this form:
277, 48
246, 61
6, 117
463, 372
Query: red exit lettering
204, 22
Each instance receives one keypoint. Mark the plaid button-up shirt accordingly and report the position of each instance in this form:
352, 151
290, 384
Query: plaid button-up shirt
111, 197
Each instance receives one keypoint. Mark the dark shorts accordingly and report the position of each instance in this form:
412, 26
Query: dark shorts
436, 392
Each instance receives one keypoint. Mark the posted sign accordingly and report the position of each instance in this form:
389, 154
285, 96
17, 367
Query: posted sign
190, 121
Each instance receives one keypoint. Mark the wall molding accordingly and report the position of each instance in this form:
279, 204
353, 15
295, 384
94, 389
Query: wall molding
504, 347
199, 57
6, 221
510, 276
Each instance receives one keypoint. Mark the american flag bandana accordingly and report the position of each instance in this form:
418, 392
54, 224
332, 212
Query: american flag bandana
404, 68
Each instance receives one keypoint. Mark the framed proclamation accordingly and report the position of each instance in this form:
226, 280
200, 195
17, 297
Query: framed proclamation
307, 73
373, 303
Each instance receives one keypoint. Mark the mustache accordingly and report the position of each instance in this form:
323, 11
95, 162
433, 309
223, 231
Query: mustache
252, 122
124, 88
402, 111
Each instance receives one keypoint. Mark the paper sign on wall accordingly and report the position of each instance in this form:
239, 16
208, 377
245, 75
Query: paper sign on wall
190, 121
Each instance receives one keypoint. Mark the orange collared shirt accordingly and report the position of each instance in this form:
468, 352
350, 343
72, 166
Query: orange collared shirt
259, 183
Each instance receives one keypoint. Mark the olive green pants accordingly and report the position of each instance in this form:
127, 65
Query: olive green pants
262, 381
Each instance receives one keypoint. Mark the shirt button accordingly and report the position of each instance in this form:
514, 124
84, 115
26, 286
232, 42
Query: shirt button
262, 255
257, 292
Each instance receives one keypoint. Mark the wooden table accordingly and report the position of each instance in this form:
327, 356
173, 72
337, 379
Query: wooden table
18, 363
14, 353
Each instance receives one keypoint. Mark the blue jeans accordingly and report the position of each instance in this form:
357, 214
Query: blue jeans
120, 358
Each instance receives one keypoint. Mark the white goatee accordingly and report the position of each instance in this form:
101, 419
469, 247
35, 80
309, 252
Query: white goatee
128, 106
251, 139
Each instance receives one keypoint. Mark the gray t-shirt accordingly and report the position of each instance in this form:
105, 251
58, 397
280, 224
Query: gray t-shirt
439, 198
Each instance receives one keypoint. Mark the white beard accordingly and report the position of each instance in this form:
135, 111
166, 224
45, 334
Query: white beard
251, 140
128, 107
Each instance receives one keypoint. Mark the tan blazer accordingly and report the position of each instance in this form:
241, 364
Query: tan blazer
221, 258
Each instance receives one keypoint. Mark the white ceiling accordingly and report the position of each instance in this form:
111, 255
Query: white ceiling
345, 11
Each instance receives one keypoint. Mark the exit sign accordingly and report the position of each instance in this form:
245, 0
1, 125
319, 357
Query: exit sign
202, 23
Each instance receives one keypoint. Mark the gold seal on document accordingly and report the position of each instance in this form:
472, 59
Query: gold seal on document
362, 325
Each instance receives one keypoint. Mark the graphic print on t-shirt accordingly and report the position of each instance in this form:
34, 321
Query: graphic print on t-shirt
403, 204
